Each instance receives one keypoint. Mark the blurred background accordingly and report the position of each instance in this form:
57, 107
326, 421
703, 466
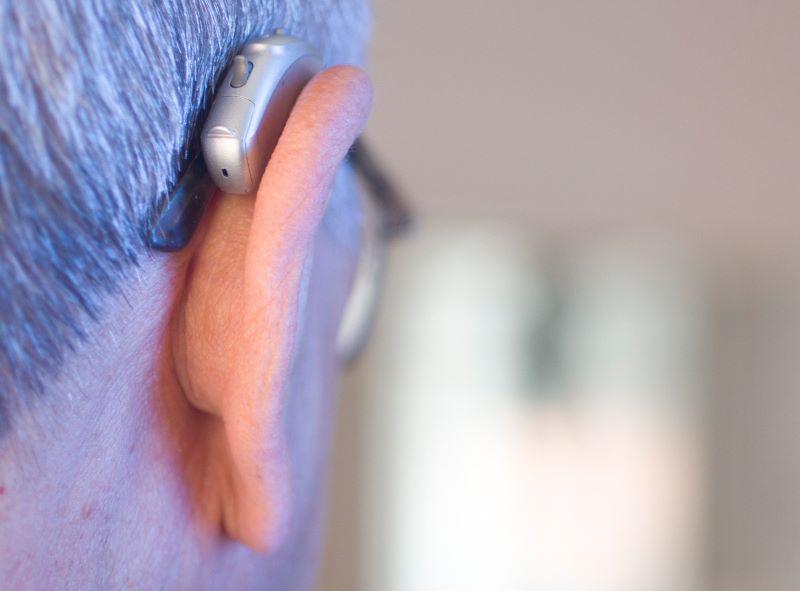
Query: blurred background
585, 370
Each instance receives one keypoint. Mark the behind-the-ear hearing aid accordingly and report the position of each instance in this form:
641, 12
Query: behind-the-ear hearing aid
250, 108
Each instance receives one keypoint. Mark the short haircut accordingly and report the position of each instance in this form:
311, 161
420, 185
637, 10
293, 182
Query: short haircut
98, 103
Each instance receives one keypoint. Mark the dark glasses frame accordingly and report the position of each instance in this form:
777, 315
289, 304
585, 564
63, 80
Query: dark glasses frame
176, 221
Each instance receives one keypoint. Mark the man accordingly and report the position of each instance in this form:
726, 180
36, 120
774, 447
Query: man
165, 417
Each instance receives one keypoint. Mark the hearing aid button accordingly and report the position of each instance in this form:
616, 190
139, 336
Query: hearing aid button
240, 71
221, 131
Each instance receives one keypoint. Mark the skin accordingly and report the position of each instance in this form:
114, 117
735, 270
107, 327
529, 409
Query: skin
183, 444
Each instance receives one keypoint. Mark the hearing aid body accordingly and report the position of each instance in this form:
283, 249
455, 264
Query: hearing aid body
251, 107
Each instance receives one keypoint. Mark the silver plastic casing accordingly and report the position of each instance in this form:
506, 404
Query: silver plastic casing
251, 107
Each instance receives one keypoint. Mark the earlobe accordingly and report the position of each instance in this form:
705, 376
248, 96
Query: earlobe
234, 334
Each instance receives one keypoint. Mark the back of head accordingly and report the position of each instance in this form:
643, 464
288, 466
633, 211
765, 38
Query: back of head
164, 418
100, 102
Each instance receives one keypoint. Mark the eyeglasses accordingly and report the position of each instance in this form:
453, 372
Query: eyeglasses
387, 219
176, 221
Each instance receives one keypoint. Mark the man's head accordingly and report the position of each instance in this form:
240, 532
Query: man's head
164, 415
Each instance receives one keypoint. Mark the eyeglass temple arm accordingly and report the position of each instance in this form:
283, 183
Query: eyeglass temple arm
180, 215
397, 217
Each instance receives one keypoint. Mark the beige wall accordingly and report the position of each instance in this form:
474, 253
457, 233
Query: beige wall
674, 117
583, 122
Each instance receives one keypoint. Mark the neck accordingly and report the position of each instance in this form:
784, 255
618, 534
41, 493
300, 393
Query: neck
78, 442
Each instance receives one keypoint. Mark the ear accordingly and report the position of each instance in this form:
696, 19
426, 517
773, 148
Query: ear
234, 332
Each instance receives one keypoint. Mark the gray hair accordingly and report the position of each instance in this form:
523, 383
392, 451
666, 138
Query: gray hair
98, 102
